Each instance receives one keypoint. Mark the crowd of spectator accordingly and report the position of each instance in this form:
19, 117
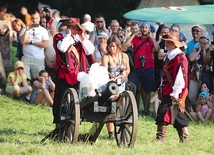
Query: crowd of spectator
44, 37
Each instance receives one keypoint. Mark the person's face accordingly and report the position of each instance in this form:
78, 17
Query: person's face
74, 30
45, 75
203, 100
115, 27
135, 29
43, 22
100, 22
2, 31
121, 37
204, 88
17, 27
175, 30
169, 45
112, 48
20, 70
102, 40
203, 43
35, 18
164, 31
196, 33
62, 28
145, 30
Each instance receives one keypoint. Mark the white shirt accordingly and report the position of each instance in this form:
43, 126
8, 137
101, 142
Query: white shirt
37, 34
179, 83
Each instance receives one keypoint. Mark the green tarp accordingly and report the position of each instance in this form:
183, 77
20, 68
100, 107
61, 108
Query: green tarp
197, 14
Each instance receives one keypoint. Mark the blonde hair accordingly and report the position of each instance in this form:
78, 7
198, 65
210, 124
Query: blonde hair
19, 22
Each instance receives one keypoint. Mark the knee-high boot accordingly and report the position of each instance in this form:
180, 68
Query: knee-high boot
161, 132
183, 134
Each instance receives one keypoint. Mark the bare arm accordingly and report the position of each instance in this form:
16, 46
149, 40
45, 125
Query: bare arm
194, 54
129, 40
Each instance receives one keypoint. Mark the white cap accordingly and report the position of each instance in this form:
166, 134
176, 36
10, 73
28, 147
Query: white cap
86, 16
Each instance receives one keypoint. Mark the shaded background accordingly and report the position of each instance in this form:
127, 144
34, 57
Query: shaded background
111, 9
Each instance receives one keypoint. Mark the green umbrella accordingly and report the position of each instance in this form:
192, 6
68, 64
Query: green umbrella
197, 14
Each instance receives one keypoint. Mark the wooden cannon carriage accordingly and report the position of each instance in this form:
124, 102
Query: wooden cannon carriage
98, 110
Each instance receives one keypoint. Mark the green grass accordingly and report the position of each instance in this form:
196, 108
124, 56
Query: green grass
23, 125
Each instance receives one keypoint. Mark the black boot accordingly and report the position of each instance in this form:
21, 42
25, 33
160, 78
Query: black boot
161, 132
183, 134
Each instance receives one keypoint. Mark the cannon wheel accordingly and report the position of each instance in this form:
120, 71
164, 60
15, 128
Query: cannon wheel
70, 116
126, 119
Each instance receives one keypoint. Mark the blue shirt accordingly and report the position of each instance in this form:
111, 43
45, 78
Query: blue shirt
191, 46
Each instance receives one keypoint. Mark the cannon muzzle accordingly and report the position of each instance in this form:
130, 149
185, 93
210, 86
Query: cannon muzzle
102, 96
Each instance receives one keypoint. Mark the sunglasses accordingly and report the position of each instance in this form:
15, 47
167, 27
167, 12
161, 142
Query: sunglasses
120, 36
99, 21
20, 68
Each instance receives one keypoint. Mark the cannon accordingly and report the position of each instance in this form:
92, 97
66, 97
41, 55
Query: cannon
99, 109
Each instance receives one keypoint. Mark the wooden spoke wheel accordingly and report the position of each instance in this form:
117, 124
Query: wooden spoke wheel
126, 119
69, 116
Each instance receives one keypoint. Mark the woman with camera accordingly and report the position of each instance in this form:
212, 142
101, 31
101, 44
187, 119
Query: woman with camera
117, 64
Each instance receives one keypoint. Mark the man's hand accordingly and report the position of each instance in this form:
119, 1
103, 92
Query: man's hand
175, 101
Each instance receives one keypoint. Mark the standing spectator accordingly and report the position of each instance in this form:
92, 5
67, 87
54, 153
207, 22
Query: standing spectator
127, 27
34, 39
176, 29
50, 55
43, 89
117, 64
17, 85
174, 90
143, 73
208, 60
114, 28
160, 26
3, 11
17, 26
71, 43
6, 37
197, 32
100, 26
24, 12
101, 49
87, 24
198, 70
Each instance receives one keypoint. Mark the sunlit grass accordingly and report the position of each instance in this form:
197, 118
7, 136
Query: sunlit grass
23, 125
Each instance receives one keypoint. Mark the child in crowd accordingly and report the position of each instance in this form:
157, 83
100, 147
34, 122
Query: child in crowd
43, 89
204, 108
17, 85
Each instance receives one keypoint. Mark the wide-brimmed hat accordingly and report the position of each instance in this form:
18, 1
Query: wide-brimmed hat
19, 64
174, 38
73, 22
103, 35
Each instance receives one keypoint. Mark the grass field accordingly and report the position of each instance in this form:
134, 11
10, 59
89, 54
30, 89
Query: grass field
23, 125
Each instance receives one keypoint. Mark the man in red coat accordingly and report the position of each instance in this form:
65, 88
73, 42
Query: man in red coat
73, 54
174, 90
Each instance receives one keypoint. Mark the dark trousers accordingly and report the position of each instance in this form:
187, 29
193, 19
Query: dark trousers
61, 86
180, 118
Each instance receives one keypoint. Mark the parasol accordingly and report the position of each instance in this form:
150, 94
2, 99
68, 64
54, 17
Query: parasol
197, 14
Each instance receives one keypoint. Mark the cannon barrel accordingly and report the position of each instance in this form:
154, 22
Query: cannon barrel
110, 89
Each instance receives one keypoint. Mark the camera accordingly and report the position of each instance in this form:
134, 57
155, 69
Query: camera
142, 60
34, 25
